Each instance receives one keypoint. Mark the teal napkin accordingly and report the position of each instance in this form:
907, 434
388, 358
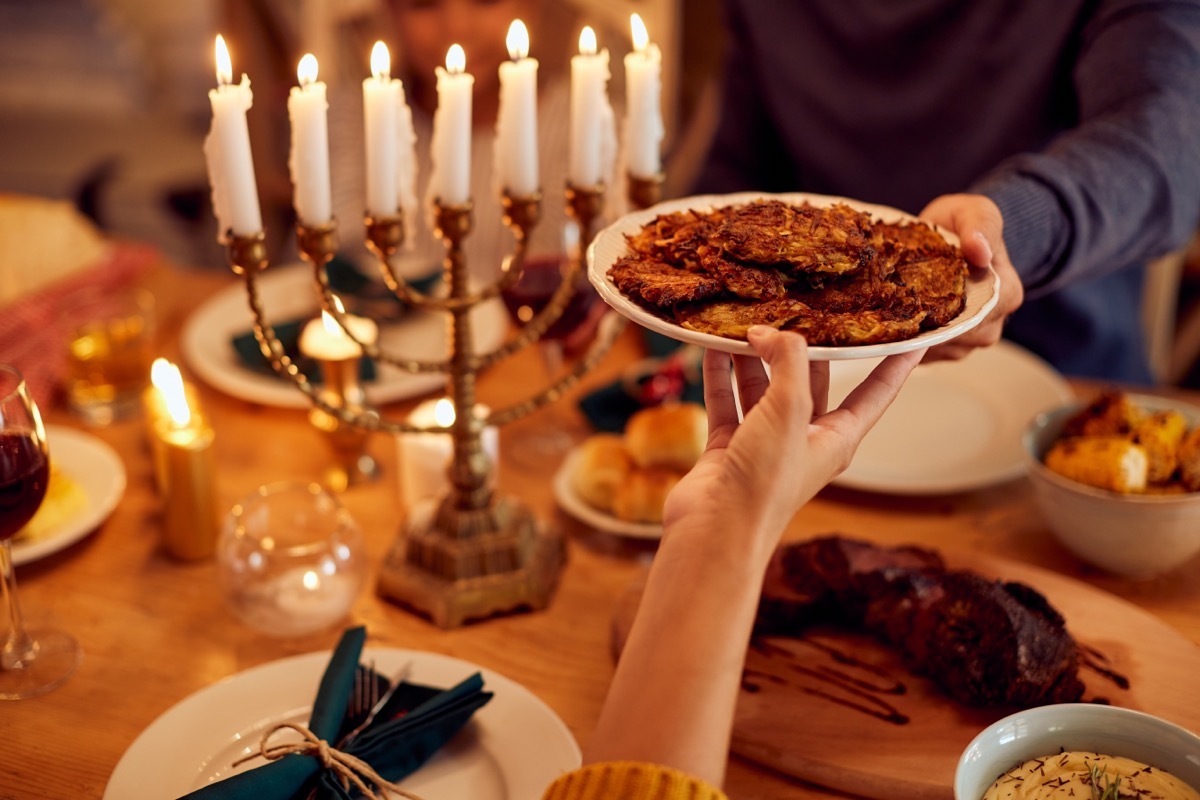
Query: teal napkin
610, 407
416, 722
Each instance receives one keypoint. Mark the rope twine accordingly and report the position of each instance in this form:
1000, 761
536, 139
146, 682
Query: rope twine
349, 769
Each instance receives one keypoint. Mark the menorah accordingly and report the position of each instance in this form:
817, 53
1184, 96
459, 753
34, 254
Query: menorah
475, 552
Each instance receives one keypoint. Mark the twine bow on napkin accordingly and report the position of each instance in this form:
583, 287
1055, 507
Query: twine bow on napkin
411, 727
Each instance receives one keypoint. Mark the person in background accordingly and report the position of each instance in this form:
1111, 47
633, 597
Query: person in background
1056, 139
665, 727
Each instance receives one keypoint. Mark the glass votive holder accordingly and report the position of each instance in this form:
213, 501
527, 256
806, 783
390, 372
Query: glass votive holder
291, 559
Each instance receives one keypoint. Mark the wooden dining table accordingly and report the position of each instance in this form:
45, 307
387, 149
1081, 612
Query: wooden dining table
155, 630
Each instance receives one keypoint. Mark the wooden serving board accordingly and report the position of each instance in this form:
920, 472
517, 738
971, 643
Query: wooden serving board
840, 710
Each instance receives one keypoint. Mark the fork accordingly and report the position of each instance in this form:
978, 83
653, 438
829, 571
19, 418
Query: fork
378, 704
364, 695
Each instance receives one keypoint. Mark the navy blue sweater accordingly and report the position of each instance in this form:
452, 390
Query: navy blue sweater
1079, 118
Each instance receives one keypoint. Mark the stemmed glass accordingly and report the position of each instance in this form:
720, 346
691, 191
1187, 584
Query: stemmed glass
31, 662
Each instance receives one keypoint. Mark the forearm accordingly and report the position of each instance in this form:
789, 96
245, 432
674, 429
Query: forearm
672, 700
1123, 186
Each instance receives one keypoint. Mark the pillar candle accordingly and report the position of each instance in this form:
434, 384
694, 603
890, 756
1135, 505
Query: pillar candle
186, 472
381, 104
643, 111
308, 161
450, 183
516, 123
424, 458
227, 152
592, 144
326, 340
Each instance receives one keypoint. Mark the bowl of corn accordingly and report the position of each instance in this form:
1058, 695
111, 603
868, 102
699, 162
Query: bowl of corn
1117, 480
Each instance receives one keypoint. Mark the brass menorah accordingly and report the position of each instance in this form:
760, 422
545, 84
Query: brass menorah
476, 552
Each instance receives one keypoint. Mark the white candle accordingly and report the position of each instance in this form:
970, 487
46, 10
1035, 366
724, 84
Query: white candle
516, 124
227, 151
450, 183
309, 158
643, 112
592, 145
325, 340
425, 457
380, 107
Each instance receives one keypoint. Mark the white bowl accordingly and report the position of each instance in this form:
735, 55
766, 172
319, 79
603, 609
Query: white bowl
1131, 535
1047, 730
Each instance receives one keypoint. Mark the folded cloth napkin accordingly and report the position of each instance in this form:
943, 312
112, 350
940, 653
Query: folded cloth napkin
365, 296
416, 721
672, 373
35, 329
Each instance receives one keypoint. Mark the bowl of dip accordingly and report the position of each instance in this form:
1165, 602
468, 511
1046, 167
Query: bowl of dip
1064, 751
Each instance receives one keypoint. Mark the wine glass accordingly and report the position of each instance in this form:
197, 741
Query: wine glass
540, 278
31, 662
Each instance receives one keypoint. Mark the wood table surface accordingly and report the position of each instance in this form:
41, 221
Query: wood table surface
154, 630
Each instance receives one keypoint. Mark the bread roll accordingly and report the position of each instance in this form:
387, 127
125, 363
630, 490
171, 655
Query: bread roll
602, 464
640, 496
669, 436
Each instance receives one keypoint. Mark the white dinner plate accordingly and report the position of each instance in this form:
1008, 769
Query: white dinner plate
512, 748
983, 286
955, 426
97, 470
289, 292
578, 508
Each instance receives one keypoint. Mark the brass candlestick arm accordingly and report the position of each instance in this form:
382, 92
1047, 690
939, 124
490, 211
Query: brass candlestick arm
644, 191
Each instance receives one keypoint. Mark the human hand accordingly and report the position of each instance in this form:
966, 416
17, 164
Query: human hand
977, 222
755, 475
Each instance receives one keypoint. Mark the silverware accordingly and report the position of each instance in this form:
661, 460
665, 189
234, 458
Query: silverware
379, 703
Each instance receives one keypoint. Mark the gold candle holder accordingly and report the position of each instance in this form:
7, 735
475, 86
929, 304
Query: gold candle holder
474, 552
352, 465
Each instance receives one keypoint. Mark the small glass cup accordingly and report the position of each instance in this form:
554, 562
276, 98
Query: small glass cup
109, 351
291, 559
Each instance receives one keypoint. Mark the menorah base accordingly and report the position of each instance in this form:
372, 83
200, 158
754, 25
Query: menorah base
454, 579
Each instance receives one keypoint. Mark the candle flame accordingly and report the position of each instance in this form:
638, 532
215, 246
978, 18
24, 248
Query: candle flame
587, 41
517, 40
330, 323
169, 382
306, 70
224, 63
443, 412
381, 61
641, 38
311, 581
456, 60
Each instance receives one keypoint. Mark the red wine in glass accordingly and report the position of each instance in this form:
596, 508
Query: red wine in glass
539, 280
32, 662
24, 475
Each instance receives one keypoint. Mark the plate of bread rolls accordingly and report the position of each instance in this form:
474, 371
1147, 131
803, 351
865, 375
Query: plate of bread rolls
617, 483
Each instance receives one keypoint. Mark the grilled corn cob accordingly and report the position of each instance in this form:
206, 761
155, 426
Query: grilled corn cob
1110, 414
1161, 433
1106, 462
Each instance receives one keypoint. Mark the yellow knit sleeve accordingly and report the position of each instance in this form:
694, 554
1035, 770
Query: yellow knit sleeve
630, 780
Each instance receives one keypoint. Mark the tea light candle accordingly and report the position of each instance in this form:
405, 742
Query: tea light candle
424, 458
516, 123
308, 161
301, 597
592, 144
186, 471
382, 97
643, 112
325, 340
227, 152
450, 183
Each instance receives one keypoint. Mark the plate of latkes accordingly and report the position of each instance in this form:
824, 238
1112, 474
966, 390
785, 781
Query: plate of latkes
858, 280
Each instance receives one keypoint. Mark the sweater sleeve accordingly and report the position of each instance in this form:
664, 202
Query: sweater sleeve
1123, 186
630, 780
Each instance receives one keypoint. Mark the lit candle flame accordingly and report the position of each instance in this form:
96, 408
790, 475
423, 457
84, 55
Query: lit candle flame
306, 71
456, 60
517, 40
167, 379
381, 61
641, 38
331, 324
311, 580
587, 41
443, 412
224, 63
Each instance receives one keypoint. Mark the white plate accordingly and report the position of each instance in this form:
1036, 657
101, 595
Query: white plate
956, 425
288, 292
983, 286
512, 748
98, 471
575, 505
